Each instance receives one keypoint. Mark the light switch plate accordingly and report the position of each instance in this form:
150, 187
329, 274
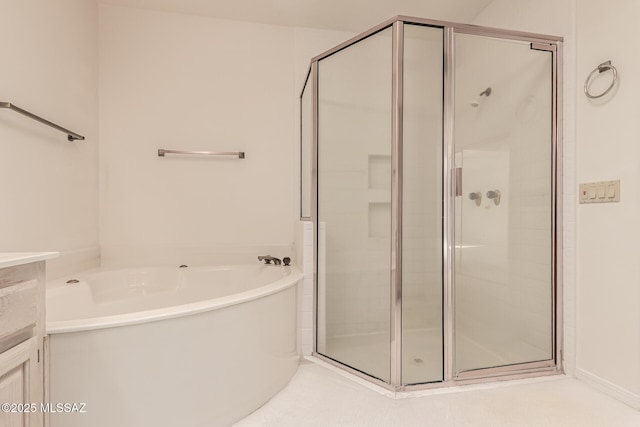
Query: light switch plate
600, 192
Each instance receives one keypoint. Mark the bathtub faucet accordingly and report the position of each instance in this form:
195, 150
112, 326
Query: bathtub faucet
268, 258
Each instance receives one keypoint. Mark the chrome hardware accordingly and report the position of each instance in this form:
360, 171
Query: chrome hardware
268, 258
240, 154
605, 66
477, 197
458, 182
183, 266
286, 261
71, 136
476, 102
72, 281
495, 196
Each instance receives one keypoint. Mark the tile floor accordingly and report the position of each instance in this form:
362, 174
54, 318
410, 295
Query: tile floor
319, 396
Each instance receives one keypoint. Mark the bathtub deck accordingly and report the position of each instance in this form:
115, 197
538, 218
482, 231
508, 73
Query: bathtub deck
317, 396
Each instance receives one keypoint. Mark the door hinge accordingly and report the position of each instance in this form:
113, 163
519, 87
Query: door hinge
546, 47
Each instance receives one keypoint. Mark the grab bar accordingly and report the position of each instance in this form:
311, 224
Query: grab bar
71, 136
240, 154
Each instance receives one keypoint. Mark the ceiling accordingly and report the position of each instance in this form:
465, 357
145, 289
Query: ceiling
347, 15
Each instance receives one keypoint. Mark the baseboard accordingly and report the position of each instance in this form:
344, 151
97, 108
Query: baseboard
617, 392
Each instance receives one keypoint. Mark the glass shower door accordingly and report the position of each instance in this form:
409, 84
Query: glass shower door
503, 139
354, 205
422, 206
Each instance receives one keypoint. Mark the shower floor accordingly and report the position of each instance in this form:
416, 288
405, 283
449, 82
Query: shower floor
421, 354
370, 353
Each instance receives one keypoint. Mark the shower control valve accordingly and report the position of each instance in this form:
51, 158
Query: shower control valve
494, 195
477, 197
268, 258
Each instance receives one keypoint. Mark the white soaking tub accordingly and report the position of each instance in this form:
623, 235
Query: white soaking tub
154, 347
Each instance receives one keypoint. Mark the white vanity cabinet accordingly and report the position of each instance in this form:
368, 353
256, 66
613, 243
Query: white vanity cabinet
22, 334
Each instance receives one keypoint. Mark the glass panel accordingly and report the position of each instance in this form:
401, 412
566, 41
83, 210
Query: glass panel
422, 206
354, 205
306, 145
503, 258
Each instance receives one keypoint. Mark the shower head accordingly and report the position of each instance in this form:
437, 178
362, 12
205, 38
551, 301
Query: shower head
486, 92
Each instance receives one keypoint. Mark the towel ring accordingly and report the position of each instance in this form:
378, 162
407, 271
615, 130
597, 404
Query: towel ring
605, 66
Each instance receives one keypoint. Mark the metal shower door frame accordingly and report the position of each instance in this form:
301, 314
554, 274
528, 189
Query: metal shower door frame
552, 44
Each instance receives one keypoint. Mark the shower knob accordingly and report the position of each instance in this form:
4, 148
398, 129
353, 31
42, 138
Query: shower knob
477, 197
494, 195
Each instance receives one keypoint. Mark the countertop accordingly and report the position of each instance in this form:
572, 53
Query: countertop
10, 259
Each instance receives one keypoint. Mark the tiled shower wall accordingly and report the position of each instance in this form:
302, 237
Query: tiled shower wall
304, 261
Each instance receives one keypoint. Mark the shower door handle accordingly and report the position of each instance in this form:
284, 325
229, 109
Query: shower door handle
457, 185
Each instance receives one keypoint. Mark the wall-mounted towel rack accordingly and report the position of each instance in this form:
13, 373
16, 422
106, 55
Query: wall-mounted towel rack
605, 66
71, 136
240, 154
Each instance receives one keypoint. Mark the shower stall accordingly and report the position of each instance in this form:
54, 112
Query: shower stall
430, 169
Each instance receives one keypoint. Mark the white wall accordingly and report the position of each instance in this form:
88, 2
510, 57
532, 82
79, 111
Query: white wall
194, 83
191, 83
609, 148
49, 185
